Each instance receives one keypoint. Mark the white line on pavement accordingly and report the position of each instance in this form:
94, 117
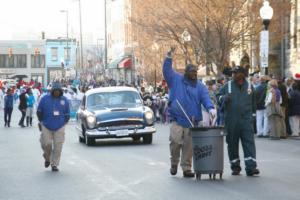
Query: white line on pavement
105, 182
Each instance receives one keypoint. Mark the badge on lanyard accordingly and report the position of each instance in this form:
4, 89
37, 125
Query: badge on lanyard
62, 102
56, 113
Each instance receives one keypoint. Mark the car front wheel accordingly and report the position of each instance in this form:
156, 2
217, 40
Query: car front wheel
147, 139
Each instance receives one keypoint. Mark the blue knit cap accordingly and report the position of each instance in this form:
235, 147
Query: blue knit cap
190, 67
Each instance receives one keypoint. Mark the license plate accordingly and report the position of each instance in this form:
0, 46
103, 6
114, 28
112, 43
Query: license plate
122, 132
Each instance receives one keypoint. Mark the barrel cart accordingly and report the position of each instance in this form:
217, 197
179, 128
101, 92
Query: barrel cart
208, 151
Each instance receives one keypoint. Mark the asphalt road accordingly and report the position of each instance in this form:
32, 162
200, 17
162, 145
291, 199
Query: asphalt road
122, 169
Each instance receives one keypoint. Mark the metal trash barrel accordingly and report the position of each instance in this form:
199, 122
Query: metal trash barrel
208, 151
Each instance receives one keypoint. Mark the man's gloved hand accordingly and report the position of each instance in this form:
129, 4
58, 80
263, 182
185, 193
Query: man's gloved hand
171, 52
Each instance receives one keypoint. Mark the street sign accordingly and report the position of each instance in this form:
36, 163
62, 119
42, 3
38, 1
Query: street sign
264, 49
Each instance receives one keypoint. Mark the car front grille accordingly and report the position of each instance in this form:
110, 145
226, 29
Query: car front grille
124, 124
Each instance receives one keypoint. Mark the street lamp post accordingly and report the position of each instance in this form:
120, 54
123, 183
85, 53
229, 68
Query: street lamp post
186, 37
266, 13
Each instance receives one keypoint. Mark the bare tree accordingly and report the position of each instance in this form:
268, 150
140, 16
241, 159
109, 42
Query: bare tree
216, 26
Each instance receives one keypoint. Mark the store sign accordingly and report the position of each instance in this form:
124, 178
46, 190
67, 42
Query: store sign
7, 71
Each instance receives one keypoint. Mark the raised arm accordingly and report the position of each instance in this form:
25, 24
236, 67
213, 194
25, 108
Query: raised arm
168, 71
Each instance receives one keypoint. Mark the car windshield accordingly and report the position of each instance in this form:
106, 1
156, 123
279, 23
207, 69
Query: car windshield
113, 99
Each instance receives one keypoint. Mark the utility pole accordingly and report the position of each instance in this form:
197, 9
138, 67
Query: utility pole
67, 42
105, 30
66, 60
81, 48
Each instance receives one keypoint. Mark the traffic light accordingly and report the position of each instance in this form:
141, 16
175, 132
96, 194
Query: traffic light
10, 52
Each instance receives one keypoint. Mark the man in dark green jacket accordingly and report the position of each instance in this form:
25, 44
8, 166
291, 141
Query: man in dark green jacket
240, 107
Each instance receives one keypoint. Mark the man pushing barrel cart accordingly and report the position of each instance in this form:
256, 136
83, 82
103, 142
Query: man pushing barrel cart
186, 95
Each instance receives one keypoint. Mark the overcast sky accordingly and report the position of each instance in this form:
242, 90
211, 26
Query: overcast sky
22, 19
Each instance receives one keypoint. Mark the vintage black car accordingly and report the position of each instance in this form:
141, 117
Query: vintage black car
114, 112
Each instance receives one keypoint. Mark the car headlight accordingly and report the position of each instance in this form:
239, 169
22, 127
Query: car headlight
91, 121
149, 117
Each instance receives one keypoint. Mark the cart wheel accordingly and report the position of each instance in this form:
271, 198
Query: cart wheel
221, 174
214, 176
198, 177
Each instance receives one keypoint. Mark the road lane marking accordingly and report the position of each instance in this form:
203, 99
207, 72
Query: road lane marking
278, 160
91, 171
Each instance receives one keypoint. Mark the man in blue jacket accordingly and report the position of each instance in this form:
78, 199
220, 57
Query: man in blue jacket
186, 95
53, 114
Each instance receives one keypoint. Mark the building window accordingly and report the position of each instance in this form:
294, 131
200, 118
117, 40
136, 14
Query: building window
67, 53
54, 54
10, 61
37, 61
13, 61
2, 61
20, 61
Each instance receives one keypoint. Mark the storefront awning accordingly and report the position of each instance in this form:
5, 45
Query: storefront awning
121, 63
114, 64
126, 63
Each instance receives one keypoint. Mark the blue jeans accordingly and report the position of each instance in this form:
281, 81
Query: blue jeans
7, 114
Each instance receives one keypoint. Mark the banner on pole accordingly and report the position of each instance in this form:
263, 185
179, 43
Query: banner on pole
264, 49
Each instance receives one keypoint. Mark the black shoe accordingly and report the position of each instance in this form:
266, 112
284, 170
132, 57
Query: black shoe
47, 164
173, 170
188, 174
235, 172
5, 124
54, 169
252, 172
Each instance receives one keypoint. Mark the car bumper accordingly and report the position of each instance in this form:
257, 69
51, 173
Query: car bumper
120, 133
